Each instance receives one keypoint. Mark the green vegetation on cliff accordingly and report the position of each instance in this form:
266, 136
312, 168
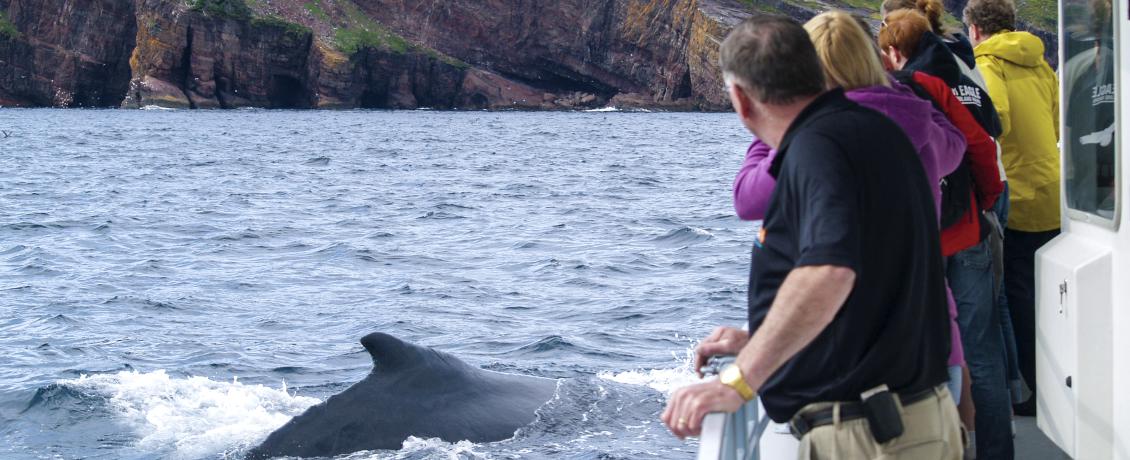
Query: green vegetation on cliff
1039, 13
235, 9
7, 29
315, 8
363, 32
292, 29
352, 40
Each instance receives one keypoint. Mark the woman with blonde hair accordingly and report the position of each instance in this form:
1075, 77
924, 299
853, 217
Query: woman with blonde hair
851, 62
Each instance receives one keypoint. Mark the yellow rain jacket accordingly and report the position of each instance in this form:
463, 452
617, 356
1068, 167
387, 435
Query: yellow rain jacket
1026, 94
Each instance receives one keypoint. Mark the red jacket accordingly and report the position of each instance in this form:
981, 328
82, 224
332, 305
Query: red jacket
981, 150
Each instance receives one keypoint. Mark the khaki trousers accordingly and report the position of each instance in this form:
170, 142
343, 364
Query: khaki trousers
931, 430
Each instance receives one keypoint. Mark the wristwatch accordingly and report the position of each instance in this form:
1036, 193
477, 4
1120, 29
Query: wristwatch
732, 377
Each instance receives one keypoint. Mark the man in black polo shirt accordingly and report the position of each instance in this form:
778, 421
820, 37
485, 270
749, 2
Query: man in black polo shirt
847, 291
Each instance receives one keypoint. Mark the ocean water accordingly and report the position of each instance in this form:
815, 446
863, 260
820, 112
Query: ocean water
178, 284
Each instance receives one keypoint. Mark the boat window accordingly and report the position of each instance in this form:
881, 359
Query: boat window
1090, 168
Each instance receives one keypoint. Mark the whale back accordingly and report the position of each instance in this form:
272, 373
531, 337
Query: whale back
411, 391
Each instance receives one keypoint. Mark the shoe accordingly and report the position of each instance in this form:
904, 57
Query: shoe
1026, 408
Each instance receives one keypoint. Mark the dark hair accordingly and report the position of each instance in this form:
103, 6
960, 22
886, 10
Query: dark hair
991, 16
932, 9
774, 57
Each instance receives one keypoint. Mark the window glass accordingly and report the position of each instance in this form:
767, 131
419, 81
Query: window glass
1089, 141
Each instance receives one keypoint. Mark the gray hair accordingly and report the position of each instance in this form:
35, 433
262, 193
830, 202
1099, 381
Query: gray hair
773, 57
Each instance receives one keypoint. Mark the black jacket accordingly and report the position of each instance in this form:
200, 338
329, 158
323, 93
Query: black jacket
933, 57
960, 46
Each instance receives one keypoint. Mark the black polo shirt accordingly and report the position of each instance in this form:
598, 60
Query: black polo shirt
851, 192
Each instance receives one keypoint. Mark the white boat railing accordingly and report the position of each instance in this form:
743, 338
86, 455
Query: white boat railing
735, 436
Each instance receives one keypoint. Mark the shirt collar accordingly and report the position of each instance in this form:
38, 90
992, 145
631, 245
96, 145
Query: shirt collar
829, 99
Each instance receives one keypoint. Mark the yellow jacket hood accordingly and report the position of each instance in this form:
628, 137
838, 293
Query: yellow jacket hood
1020, 48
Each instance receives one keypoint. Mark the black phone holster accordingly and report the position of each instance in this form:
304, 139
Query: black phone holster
881, 409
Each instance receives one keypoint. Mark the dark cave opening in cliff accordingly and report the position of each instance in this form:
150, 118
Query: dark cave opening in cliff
554, 77
287, 92
372, 99
479, 101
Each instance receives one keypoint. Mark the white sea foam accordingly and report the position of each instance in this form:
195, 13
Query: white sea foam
430, 448
604, 109
663, 380
194, 417
156, 107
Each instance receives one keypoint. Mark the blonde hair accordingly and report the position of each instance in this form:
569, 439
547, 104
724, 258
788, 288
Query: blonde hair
848, 55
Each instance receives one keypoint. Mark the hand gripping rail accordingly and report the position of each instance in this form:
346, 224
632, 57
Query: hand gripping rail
733, 436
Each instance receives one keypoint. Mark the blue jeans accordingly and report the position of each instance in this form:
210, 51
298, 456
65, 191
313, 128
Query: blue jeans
1012, 363
971, 278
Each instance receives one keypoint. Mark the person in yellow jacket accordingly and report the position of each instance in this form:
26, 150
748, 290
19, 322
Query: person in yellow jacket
1024, 90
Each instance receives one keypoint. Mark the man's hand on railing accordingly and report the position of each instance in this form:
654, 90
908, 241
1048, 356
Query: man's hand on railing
723, 341
687, 407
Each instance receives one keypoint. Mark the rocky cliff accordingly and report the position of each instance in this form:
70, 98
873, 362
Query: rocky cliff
491, 54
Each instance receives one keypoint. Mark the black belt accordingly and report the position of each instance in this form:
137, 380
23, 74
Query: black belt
802, 423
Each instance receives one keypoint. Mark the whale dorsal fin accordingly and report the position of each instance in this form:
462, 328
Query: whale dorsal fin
390, 353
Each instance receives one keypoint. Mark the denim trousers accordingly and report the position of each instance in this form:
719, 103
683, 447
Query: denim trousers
970, 276
1012, 363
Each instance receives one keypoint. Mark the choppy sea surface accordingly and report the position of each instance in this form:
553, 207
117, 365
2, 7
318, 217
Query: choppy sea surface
178, 284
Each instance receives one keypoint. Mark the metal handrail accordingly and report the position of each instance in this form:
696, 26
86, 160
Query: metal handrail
735, 436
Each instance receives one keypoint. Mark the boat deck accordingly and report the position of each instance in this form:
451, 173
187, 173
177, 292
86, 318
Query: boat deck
1032, 444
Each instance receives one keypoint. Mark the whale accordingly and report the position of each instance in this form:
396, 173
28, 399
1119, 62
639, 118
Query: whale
411, 391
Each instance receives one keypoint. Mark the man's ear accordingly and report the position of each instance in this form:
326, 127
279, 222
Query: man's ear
975, 35
741, 100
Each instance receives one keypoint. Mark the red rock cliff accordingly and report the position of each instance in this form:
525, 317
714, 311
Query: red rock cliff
491, 54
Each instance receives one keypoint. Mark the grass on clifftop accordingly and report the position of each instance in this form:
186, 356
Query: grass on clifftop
315, 8
235, 9
1040, 13
7, 29
363, 32
292, 29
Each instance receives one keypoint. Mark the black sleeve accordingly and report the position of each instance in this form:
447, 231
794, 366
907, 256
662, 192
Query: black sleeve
987, 114
824, 193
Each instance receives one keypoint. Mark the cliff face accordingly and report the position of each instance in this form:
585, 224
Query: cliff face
186, 58
490, 54
66, 53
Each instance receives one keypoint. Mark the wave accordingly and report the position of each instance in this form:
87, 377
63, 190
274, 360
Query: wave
319, 161
192, 417
551, 343
684, 236
556, 346
440, 215
665, 381
25, 225
139, 302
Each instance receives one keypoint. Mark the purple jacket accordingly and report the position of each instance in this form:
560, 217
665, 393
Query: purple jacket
940, 145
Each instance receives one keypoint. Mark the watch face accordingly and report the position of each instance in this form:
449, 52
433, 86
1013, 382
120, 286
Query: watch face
730, 375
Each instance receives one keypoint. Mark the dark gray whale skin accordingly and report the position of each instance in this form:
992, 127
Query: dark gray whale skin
411, 391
